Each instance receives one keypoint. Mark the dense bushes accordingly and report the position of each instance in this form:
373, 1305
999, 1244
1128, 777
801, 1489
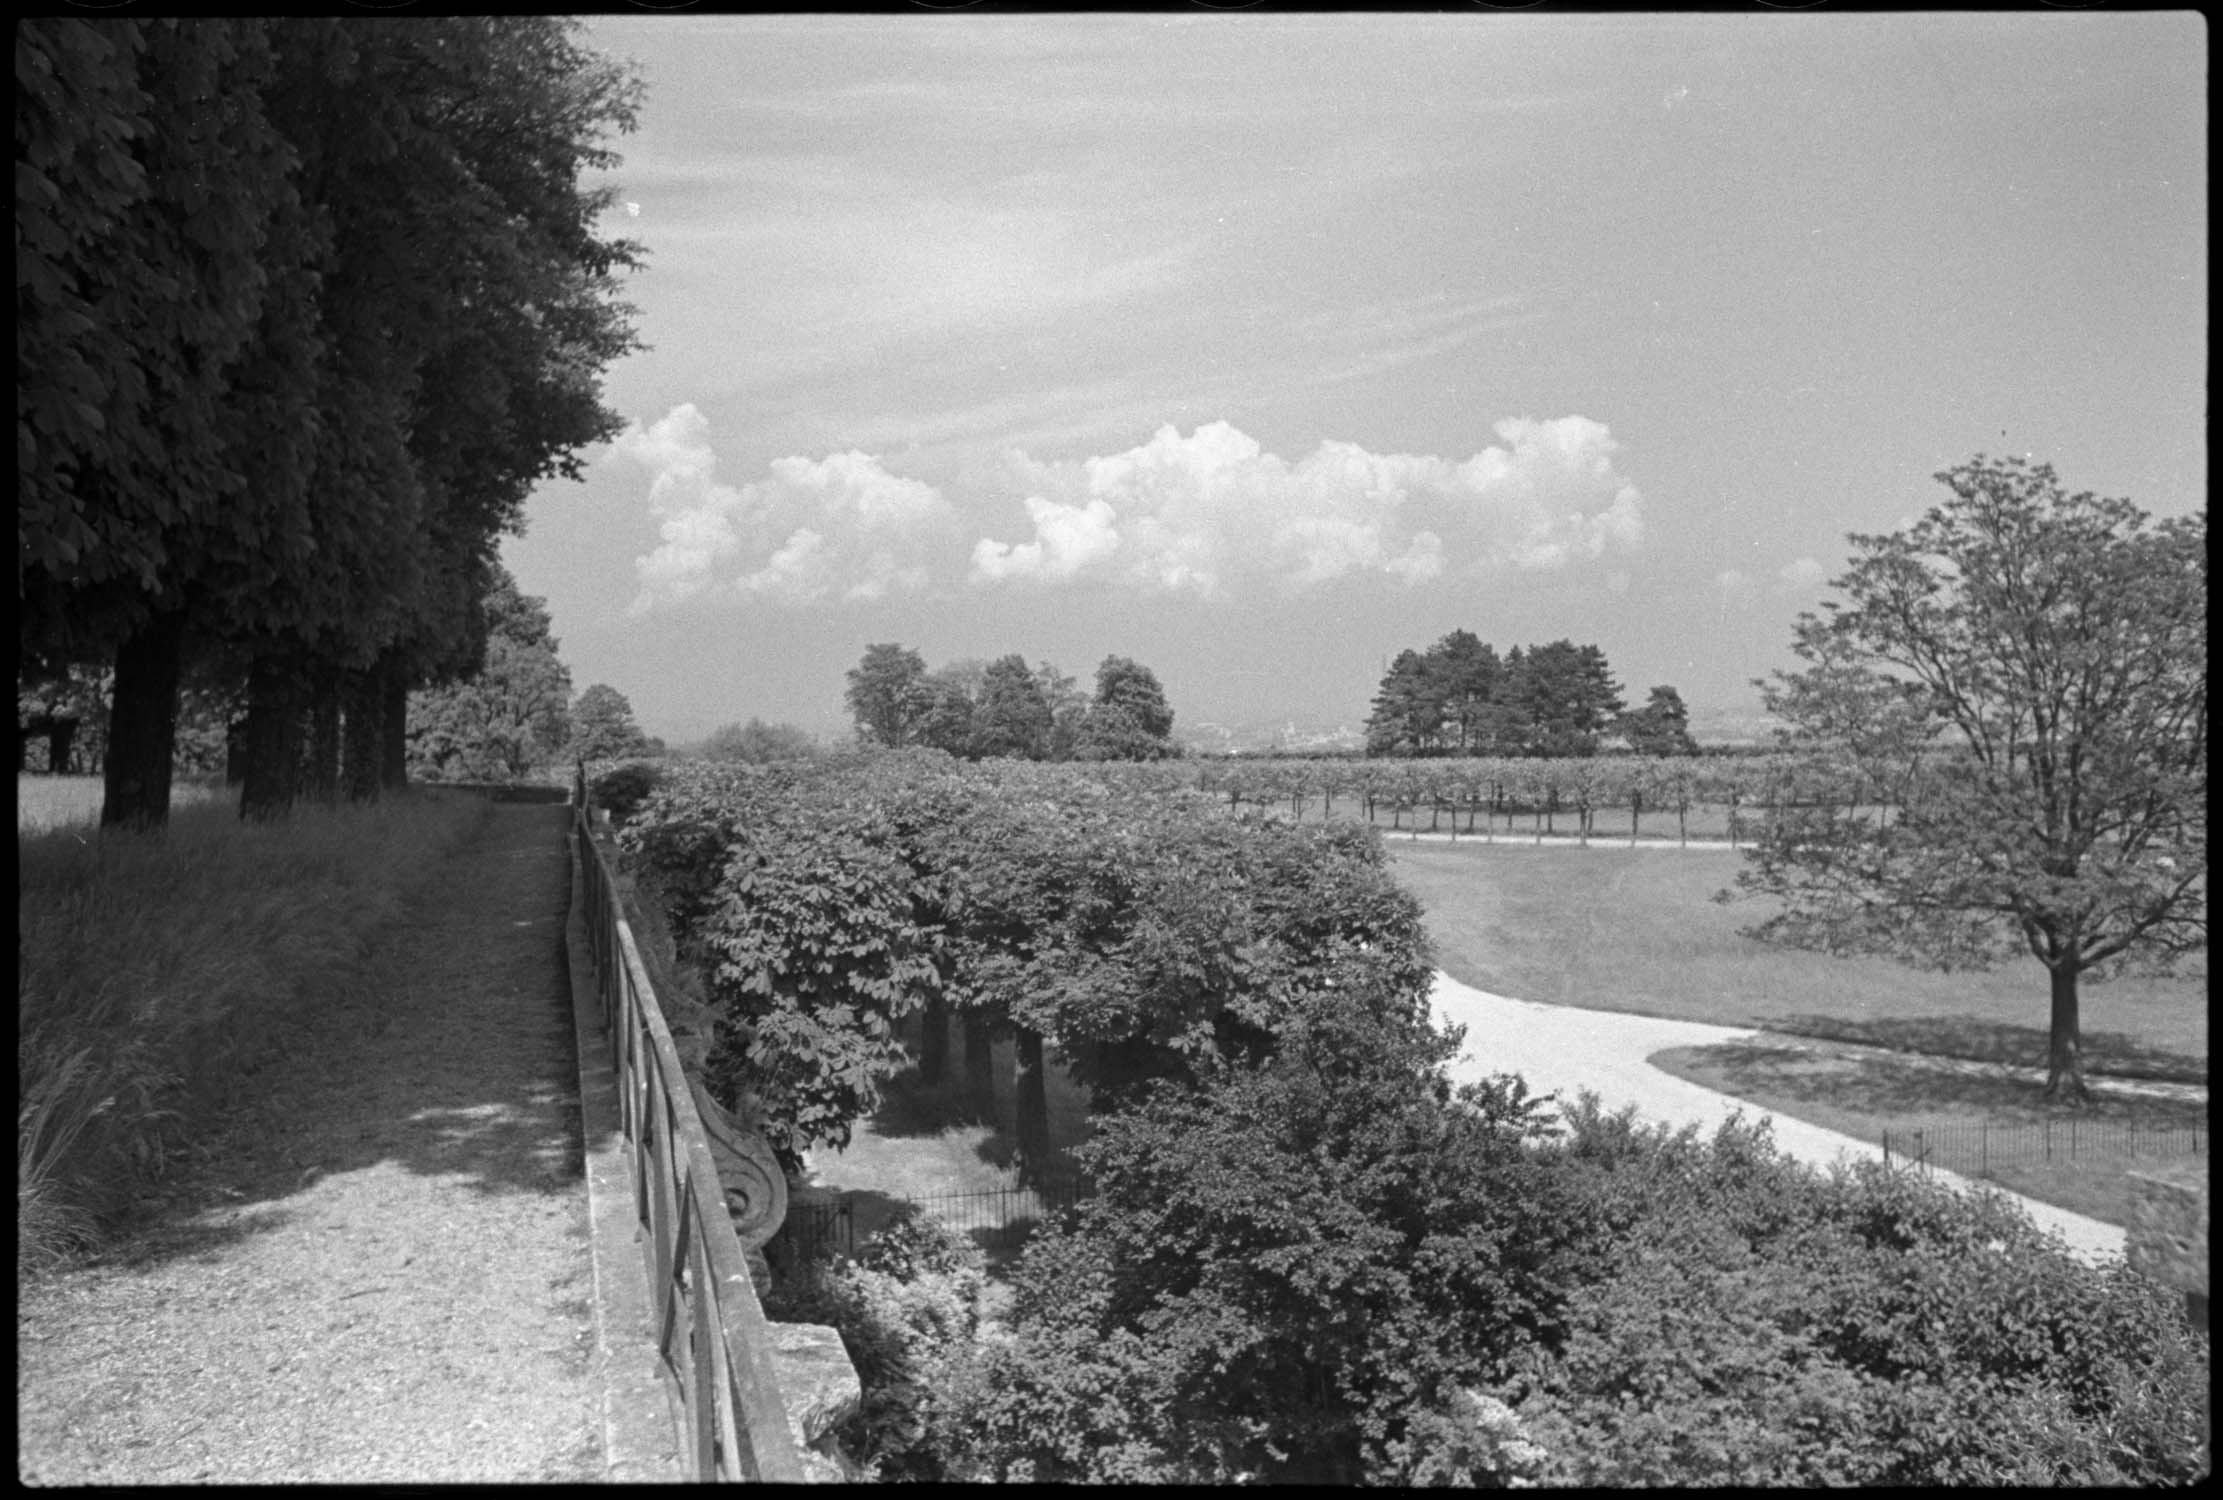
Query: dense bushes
1291, 1271
1742, 1319
1145, 933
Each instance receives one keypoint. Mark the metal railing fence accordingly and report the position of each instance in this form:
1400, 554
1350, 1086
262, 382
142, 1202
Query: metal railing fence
712, 1336
1973, 1150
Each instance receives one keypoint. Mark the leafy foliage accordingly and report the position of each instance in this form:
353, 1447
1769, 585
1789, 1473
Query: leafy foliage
509, 717
758, 742
1743, 1319
602, 726
908, 1309
2058, 644
1295, 1256
1458, 698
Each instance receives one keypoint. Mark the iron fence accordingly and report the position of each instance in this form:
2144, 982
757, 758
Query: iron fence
1973, 1150
999, 1219
712, 1337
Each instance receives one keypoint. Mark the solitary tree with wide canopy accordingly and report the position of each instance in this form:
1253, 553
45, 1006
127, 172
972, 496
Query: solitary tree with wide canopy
2023, 674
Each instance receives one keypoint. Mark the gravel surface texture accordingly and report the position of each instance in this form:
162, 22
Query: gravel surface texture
1563, 1049
378, 1271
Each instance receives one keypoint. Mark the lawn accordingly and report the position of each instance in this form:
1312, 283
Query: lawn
46, 802
1980, 1121
1637, 930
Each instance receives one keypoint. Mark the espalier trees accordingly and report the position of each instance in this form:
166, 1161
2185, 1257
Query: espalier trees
1142, 935
305, 309
2026, 669
1459, 698
1006, 710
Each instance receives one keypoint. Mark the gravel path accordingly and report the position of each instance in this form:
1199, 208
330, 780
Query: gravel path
1559, 1048
378, 1273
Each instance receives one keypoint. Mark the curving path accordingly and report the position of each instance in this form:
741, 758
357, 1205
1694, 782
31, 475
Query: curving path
1562, 1049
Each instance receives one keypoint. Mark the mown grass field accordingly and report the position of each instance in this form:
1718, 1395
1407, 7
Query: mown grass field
1637, 930
1845, 1040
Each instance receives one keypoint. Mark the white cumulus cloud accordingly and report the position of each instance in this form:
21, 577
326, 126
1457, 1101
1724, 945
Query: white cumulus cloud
1204, 512
810, 529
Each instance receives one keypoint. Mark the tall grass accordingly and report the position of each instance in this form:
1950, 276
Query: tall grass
157, 972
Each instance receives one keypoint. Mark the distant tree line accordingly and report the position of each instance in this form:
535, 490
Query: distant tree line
1006, 709
1459, 697
304, 309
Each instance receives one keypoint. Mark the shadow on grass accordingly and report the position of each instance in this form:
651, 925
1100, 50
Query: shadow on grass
2106, 1053
1892, 1088
911, 1107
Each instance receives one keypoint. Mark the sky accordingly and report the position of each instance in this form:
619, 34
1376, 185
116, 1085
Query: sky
1258, 348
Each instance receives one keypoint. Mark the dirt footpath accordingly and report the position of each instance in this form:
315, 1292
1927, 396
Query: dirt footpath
378, 1272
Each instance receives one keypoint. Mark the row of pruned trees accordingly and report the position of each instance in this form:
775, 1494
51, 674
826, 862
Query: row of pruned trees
305, 309
1142, 935
1006, 709
1460, 698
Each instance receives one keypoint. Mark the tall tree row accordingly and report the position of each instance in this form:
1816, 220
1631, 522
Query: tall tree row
305, 310
1006, 710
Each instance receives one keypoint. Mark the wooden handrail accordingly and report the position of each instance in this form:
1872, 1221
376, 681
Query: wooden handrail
712, 1335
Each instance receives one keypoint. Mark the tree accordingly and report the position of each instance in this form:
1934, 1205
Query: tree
1661, 726
947, 722
1012, 717
1567, 696
757, 742
1068, 707
888, 695
1408, 709
2040, 659
1121, 683
602, 726
509, 716
1311, 1253
1465, 674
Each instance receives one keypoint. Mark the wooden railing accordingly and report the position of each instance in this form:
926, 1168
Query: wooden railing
711, 1334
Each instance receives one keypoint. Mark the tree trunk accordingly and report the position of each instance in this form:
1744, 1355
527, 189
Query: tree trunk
393, 680
362, 737
1031, 1128
58, 735
321, 777
980, 1071
934, 1041
235, 752
2064, 1078
274, 705
143, 726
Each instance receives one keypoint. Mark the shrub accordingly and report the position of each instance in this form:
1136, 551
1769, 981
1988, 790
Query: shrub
622, 789
908, 1308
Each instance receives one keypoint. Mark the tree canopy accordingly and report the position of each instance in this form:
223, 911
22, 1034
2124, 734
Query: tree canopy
305, 308
1459, 698
602, 726
2023, 672
1004, 709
